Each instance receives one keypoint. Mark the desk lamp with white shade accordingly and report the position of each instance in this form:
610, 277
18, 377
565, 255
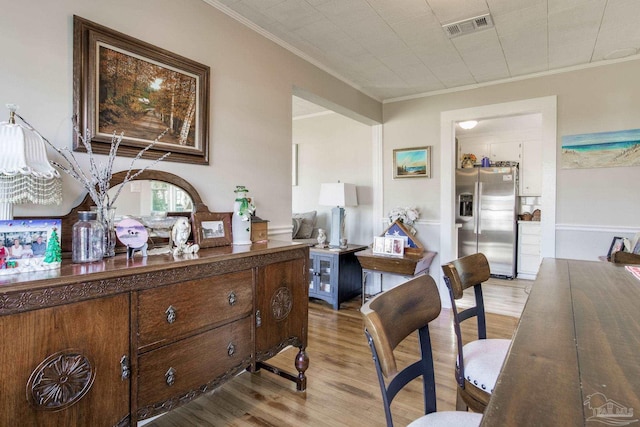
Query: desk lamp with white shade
338, 195
26, 176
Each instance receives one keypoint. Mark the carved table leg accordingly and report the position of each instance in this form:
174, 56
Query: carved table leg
302, 363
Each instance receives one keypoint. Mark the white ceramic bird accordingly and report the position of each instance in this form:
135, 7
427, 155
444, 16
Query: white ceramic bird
179, 237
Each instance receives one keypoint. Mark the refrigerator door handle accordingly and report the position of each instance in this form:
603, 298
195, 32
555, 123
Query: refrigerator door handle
476, 211
479, 204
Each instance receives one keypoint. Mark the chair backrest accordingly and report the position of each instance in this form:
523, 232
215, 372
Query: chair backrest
391, 317
461, 274
465, 272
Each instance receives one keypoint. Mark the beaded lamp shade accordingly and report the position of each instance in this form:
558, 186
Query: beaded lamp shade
26, 176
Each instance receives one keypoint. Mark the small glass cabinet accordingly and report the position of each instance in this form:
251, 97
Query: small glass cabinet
335, 275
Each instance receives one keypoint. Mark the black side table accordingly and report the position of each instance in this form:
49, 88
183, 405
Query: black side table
335, 275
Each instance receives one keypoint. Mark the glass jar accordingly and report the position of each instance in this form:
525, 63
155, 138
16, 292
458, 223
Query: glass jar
87, 238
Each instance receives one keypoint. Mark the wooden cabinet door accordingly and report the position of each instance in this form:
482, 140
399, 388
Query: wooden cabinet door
282, 291
60, 366
505, 151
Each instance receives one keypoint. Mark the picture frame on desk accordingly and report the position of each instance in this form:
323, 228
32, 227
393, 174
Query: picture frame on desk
25, 244
388, 245
635, 244
411, 245
211, 229
617, 244
378, 245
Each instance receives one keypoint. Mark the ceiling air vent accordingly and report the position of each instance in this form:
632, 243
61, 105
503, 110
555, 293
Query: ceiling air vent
468, 26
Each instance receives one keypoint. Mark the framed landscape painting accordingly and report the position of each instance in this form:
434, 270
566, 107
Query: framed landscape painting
126, 86
601, 150
412, 162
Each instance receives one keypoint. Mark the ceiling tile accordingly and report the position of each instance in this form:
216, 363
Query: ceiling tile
400, 10
573, 31
393, 48
293, 14
523, 37
449, 11
483, 56
619, 29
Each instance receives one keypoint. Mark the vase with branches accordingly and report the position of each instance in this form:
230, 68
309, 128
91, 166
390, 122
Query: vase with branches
97, 180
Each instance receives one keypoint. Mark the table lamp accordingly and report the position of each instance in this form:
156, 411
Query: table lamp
26, 176
338, 195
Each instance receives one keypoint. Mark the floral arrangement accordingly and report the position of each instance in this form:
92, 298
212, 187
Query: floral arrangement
405, 215
97, 180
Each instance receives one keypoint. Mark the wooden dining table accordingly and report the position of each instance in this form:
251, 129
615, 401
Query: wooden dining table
575, 355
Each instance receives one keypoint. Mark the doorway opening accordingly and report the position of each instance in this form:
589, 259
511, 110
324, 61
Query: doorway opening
334, 144
547, 107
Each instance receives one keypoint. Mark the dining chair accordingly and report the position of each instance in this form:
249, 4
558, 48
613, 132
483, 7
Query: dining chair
479, 361
391, 317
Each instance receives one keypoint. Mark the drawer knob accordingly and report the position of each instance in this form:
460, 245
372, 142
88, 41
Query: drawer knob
170, 376
171, 314
232, 298
231, 349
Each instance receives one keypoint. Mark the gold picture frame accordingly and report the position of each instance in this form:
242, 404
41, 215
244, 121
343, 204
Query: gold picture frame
412, 162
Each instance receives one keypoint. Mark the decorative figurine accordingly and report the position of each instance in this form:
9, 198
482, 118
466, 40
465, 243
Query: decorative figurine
322, 238
132, 251
53, 254
243, 208
134, 236
180, 236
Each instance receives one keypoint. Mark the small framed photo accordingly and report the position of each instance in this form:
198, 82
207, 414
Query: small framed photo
411, 245
396, 245
616, 245
29, 244
212, 229
635, 244
412, 162
378, 245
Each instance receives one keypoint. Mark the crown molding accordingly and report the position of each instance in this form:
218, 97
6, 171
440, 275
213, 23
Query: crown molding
512, 79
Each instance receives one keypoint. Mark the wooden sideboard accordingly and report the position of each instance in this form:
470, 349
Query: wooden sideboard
117, 341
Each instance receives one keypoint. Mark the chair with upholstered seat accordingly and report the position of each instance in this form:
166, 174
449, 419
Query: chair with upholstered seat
390, 318
480, 360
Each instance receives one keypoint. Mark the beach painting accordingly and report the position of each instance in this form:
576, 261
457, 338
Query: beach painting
601, 150
412, 162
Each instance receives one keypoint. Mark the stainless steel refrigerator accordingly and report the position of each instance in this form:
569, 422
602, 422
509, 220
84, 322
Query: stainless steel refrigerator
487, 216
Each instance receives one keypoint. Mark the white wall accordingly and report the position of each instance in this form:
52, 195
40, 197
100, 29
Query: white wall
592, 201
252, 80
334, 148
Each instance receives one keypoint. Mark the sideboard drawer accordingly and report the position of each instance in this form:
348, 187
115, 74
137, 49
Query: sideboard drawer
170, 371
171, 312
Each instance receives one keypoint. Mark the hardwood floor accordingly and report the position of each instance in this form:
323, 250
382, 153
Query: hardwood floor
342, 385
501, 296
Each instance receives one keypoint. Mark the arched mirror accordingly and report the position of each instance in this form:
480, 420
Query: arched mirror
150, 196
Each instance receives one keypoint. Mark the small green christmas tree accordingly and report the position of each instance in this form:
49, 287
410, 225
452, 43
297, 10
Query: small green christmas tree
53, 252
